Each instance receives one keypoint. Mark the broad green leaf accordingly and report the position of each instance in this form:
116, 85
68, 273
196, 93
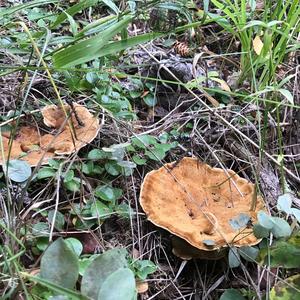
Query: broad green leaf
143, 141
150, 100
108, 193
75, 245
68, 176
234, 260
18, 170
59, 219
113, 168
73, 185
281, 228
232, 294
97, 154
100, 210
40, 229
284, 203
260, 231
138, 160
86, 50
265, 220
118, 285
100, 269
144, 268
287, 289
283, 253
156, 154
59, 265
46, 172
248, 253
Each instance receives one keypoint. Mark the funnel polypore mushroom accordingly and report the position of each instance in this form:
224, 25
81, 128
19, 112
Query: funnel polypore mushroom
198, 203
32, 144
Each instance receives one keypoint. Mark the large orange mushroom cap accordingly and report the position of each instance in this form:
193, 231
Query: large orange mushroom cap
198, 203
70, 130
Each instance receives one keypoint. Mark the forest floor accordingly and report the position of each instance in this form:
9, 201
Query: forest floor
218, 82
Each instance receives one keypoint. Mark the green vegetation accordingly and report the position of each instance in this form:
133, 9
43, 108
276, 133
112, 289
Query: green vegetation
229, 94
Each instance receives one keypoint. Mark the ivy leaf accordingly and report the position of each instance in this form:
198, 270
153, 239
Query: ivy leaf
59, 265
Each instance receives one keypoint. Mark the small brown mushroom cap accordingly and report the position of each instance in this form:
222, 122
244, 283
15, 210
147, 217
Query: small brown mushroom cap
31, 144
197, 202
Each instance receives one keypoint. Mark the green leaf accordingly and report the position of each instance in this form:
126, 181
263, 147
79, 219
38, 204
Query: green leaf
260, 231
46, 172
18, 170
113, 168
283, 253
287, 289
97, 154
156, 154
144, 268
296, 213
59, 219
108, 193
71, 294
284, 203
138, 160
73, 185
68, 176
234, 260
86, 50
40, 229
143, 141
248, 253
119, 285
59, 265
100, 269
287, 94
75, 245
100, 210
72, 11
12, 10
265, 220
232, 294
281, 228
150, 100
